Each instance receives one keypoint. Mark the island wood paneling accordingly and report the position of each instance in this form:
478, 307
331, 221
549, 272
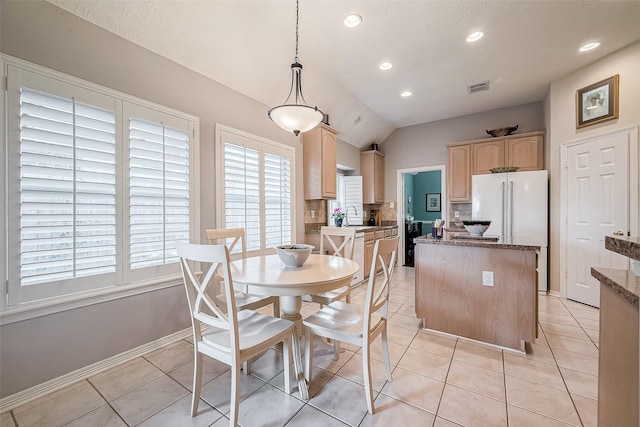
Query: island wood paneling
618, 361
450, 296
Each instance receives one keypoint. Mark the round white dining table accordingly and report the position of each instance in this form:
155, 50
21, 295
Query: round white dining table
267, 275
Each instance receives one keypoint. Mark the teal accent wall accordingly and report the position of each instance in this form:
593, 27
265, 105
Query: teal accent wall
423, 183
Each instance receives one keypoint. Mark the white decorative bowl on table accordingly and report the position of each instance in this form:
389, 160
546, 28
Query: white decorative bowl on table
294, 255
476, 228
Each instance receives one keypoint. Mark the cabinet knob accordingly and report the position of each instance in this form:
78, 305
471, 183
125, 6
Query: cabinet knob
618, 233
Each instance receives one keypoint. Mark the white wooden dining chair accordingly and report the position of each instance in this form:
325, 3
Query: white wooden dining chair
339, 241
231, 237
231, 337
356, 325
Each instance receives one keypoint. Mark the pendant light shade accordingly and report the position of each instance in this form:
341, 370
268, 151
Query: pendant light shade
294, 115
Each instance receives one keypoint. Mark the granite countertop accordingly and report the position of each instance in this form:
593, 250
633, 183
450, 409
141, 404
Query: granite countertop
359, 228
521, 244
625, 283
627, 246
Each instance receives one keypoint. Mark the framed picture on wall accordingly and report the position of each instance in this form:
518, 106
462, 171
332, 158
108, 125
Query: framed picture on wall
433, 202
597, 102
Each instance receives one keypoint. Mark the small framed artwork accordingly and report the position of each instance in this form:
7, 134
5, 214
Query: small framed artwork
598, 102
433, 202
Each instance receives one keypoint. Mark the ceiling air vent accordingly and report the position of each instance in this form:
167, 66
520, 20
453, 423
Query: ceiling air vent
478, 87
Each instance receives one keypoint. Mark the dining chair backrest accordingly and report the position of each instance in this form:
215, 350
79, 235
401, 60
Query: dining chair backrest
340, 240
196, 287
377, 298
229, 237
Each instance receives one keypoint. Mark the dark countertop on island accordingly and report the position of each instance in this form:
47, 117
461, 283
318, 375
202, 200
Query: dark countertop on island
313, 229
623, 282
627, 246
521, 244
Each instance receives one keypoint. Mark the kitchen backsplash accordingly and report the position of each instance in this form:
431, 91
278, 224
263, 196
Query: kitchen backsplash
464, 209
315, 212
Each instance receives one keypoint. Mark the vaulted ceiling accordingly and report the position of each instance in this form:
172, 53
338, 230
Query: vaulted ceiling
249, 46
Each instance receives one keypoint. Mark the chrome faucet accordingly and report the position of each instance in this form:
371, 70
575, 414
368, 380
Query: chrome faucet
346, 214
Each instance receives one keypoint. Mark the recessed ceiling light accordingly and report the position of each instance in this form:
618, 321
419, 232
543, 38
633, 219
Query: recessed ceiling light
352, 20
386, 66
589, 46
406, 93
474, 37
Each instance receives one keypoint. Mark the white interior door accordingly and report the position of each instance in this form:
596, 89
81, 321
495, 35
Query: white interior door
597, 206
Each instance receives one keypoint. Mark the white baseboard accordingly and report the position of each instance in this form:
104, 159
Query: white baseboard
35, 392
555, 294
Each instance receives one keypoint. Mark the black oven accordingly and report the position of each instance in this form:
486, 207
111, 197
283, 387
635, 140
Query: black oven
411, 231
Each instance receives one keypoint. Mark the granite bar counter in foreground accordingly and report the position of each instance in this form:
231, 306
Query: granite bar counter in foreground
478, 289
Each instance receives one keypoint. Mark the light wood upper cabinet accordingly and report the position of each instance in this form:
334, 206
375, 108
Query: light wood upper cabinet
524, 152
459, 173
320, 163
488, 155
527, 152
372, 170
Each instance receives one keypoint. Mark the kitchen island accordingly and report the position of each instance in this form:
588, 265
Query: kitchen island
618, 354
484, 290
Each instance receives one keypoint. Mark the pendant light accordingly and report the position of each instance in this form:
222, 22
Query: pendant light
295, 115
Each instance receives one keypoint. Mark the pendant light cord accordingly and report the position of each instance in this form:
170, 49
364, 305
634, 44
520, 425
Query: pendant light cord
297, 17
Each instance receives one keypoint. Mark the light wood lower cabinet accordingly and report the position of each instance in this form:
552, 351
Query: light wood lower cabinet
369, 242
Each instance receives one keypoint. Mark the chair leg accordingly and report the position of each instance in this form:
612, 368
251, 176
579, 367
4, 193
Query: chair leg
235, 394
348, 298
197, 382
286, 360
246, 366
385, 353
276, 307
366, 369
308, 354
336, 349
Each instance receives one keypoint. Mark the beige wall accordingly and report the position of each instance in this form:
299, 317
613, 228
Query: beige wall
425, 144
561, 125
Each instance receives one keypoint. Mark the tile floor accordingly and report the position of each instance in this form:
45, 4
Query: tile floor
437, 381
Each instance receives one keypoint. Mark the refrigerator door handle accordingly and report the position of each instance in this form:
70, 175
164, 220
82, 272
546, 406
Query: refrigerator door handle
510, 208
503, 207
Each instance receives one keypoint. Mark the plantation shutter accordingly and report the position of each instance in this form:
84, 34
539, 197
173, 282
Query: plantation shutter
242, 192
277, 200
353, 198
158, 192
67, 189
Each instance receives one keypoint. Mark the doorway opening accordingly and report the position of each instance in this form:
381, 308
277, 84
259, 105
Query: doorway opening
422, 199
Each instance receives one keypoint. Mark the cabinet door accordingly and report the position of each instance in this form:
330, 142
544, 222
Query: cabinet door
459, 173
368, 256
372, 170
527, 153
329, 164
488, 155
319, 163
378, 178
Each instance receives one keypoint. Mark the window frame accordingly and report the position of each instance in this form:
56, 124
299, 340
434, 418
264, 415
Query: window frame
262, 145
14, 312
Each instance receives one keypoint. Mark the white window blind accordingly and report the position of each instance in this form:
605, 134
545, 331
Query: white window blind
98, 189
257, 186
277, 200
67, 189
353, 198
158, 192
242, 192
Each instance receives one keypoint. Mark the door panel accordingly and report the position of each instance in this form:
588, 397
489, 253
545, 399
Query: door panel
597, 206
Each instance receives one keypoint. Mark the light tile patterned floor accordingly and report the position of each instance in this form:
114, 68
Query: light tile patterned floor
437, 381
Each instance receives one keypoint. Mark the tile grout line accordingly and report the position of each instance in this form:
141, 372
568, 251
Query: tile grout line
107, 401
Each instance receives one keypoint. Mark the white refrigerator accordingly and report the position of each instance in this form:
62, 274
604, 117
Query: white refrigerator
517, 205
